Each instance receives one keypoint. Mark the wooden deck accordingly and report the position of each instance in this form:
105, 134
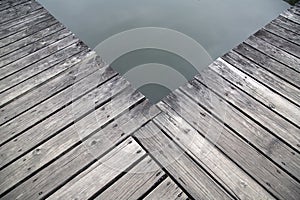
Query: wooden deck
72, 128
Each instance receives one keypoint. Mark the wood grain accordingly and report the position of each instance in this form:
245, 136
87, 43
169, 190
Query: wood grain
18, 11
22, 23
265, 77
280, 42
271, 177
29, 84
35, 26
98, 143
291, 16
257, 91
274, 52
266, 117
186, 172
135, 182
234, 179
269, 64
167, 190
46, 91
287, 24
284, 33
31, 48
101, 172
247, 129
59, 57
61, 119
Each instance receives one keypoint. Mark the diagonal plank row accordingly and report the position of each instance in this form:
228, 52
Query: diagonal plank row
65, 111
72, 128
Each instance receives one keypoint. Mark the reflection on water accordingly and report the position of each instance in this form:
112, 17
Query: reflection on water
218, 25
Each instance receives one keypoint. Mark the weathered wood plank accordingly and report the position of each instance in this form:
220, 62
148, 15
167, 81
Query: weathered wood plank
257, 91
24, 103
37, 186
269, 64
261, 169
19, 10
61, 143
101, 141
26, 86
56, 58
50, 27
55, 145
186, 172
263, 76
279, 42
276, 124
291, 16
248, 130
60, 120
295, 10
287, 24
274, 52
284, 33
234, 179
4, 2
102, 172
167, 190
27, 50
22, 23
30, 31
9, 4
35, 58
135, 182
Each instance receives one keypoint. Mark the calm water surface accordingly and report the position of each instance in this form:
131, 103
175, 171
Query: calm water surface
216, 25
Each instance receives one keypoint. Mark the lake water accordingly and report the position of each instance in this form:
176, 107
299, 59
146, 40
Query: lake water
160, 44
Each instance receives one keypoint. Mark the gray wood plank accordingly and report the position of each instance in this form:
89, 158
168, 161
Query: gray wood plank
279, 42
167, 190
102, 172
22, 23
34, 28
31, 48
258, 91
19, 10
274, 52
269, 64
186, 172
26, 86
291, 16
61, 143
254, 163
234, 179
7, 5
100, 142
295, 10
35, 97
60, 120
287, 24
50, 27
37, 186
276, 124
4, 2
263, 76
36, 58
268, 144
135, 182
284, 33
45, 64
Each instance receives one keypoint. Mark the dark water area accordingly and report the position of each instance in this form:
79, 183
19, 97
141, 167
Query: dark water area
185, 35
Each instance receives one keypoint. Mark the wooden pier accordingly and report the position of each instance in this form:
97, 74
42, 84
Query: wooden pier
72, 128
